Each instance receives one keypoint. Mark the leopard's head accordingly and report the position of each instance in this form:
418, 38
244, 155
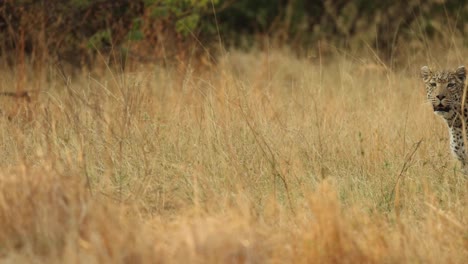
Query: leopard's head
444, 89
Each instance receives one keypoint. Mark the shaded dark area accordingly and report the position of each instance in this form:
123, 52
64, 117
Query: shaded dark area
160, 30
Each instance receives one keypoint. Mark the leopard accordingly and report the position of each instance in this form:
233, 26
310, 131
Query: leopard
444, 91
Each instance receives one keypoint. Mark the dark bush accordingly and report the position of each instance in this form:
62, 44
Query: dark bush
152, 30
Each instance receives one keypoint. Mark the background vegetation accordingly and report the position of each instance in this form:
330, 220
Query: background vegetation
287, 132
162, 30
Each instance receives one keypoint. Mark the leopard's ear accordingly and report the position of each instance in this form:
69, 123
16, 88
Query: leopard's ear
425, 73
461, 73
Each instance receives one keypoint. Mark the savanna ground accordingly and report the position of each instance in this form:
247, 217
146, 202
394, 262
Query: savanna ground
263, 158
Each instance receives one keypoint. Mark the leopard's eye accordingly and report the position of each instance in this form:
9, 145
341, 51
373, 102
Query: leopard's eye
450, 85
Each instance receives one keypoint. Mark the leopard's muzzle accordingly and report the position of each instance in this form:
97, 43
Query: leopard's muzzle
441, 108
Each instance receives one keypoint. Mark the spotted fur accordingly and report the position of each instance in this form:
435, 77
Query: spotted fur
444, 91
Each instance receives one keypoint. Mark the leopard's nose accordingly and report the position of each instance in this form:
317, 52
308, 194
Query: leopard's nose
440, 97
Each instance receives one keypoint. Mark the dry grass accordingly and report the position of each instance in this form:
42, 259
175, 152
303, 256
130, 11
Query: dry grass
265, 159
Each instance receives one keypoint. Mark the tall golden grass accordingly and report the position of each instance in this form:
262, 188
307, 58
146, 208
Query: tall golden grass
264, 158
